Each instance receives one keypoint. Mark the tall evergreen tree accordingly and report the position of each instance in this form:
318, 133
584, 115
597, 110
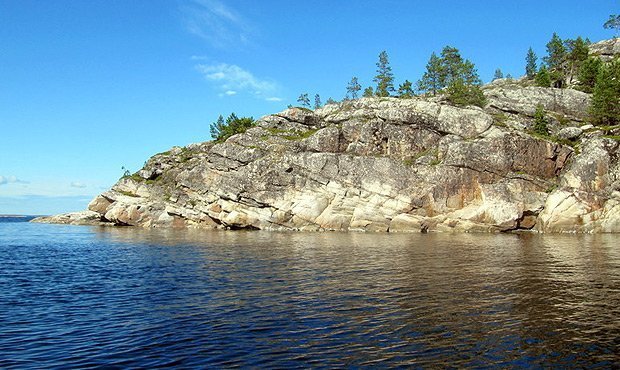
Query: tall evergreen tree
613, 23
317, 101
530, 64
353, 88
368, 92
217, 127
542, 77
384, 78
577, 53
556, 55
304, 100
405, 90
540, 121
432, 80
587, 74
498, 74
605, 105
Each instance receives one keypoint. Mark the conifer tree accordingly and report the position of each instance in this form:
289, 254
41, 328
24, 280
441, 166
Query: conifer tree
613, 23
217, 127
330, 101
368, 92
556, 55
432, 81
605, 105
405, 90
543, 79
353, 88
587, 74
304, 100
577, 53
530, 64
540, 121
384, 78
498, 74
317, 101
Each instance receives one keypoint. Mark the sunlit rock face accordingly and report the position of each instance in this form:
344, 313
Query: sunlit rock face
387, 164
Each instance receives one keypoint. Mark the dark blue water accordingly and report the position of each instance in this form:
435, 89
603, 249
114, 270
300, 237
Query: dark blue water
75, 296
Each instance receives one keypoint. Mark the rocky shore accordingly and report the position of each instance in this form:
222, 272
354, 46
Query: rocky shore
386, 164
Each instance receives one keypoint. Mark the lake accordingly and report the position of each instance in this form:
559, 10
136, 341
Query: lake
76, 296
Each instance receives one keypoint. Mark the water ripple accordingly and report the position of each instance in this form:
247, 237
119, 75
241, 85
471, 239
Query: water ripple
119, 298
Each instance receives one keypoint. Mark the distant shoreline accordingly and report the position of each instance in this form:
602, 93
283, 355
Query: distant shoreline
15, 216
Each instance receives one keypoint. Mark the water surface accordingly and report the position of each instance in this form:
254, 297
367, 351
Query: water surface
75, 296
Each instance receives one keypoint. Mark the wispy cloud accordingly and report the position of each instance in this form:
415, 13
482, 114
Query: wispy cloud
11, 180
77, 184
218, 24
232, 79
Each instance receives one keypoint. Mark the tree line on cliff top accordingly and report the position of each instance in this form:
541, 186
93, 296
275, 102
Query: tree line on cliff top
566, 65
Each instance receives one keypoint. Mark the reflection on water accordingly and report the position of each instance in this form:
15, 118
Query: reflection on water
78, 296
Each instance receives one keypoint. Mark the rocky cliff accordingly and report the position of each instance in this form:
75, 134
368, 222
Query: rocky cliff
386, 164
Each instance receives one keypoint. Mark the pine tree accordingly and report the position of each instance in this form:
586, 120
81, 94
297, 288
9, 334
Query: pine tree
405, 90
353, 88
217, 127
432, 80
613, 23
330, 101
540, 121
498, 74
368, 92
556, 55
220, 130
317, 101
577, 53
530, 64
605, 106
384, 78
542, 77
587, 74
304, 100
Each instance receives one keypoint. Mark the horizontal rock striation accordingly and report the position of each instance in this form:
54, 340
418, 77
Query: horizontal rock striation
386, 164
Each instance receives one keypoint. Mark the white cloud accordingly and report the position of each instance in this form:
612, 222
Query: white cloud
216, 23
11, 180
273, 98
231, 79
78, 185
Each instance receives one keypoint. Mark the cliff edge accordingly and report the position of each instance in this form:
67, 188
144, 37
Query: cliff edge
387, 164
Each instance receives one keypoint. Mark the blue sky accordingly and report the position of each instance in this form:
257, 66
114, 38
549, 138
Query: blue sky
87, 87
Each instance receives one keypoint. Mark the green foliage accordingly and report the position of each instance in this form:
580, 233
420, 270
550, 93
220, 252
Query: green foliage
556, 52
405, 90
587, 74
543, 79
220, 130
304, 100
556, 55
384, 78
540, 121
498, 74
457, 75
432, 81
353, 88
317, 101
368, 92
605, 106
330, 101
613, 23
460, 93
530, 63
577, 54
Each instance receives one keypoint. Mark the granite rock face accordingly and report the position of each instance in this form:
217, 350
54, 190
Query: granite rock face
385, 164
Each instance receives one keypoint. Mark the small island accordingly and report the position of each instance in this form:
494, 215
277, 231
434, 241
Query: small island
538, 153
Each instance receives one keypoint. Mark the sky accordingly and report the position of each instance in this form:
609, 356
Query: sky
90, 87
